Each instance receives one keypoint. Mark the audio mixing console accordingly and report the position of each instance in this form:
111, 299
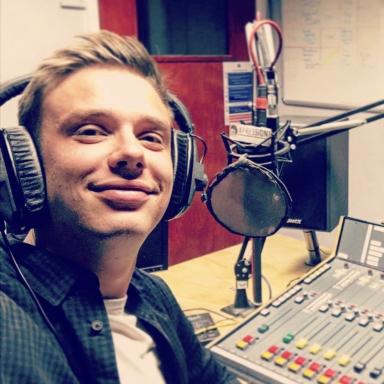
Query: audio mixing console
327, 328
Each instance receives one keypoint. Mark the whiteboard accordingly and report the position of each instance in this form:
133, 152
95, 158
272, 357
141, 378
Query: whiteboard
333, 53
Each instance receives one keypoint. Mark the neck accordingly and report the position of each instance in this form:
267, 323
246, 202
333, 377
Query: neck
112, 259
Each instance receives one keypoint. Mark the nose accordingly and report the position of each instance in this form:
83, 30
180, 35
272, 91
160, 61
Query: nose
127, 157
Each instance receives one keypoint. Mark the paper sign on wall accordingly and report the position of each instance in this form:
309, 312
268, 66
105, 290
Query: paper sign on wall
238, 85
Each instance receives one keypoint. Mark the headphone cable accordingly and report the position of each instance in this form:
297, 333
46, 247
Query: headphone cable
26, 284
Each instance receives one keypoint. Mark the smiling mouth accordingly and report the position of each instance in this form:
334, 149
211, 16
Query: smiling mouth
123, 196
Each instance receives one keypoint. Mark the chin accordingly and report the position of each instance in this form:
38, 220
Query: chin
111, 228
103, 222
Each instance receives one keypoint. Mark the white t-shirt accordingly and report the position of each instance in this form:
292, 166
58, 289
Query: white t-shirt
134, 349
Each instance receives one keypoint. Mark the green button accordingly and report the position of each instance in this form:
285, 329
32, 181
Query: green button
288, 338
263, 328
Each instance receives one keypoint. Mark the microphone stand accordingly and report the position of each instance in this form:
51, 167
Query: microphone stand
257, 249
312, 247
242, 270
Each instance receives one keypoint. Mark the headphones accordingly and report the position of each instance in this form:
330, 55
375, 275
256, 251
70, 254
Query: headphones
22, 184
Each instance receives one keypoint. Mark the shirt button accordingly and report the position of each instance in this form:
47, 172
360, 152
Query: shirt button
97, 326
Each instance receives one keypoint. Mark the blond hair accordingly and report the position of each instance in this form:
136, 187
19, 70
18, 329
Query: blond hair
99, 48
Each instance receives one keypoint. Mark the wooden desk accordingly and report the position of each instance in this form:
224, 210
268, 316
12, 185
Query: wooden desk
208, 282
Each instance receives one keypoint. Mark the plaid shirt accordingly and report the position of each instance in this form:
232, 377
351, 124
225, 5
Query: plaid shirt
30, 353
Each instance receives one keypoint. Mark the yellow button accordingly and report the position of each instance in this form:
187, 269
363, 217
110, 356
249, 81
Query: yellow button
241, 344
293, 367
308, 373
302, 343
267, 355
323, 380
330, 354
280, 361
315, 348
344, 360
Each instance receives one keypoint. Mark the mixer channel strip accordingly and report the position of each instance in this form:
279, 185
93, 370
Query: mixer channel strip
328, 328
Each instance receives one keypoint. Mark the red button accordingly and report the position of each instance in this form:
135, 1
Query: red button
345, 380
273, 349
300, 360
315, 367
286, 354
248, 339
329, 373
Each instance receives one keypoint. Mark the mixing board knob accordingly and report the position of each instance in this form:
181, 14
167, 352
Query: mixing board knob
378, 326
329, 354
344, 360
359, 367
312, 370
299, 299
337, 312
270, 353
315, 348
265, 312
364, 321
324, 308
301, 343
375, 373
350, 316
288, 338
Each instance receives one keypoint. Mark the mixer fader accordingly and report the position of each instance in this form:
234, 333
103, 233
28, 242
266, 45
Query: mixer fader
327, 328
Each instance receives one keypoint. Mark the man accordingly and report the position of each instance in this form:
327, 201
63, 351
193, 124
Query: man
98, 113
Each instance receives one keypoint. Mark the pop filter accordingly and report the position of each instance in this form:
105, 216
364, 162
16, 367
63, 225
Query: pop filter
248, 199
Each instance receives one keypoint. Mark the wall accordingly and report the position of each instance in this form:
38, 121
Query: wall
31, 30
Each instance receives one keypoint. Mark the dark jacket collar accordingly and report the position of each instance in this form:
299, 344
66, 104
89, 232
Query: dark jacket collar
51, 276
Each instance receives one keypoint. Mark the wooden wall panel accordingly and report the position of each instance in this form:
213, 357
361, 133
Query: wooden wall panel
118, 16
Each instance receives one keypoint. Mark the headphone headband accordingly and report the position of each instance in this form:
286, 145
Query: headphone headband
13, 88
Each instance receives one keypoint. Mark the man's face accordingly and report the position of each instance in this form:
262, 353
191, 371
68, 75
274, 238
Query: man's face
105, 145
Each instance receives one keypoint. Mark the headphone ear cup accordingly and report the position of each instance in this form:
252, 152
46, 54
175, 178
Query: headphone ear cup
23, 187
182, 158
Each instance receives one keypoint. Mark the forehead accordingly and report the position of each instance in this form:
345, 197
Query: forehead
106, 87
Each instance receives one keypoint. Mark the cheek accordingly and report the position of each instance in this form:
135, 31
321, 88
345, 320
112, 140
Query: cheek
59, 184
62, 170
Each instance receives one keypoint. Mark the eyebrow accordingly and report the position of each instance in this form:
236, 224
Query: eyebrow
79, 116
